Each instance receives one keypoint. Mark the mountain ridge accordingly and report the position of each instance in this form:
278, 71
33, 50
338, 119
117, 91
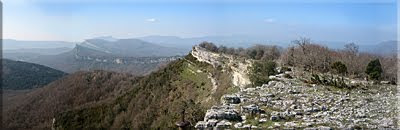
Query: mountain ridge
124, 55
130, 48
12, 44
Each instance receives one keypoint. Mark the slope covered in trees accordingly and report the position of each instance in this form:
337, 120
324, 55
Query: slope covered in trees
36, 109
19, 75
156, 100
111, 100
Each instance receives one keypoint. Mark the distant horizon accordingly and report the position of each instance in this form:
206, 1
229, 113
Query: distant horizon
363, 22
265, 40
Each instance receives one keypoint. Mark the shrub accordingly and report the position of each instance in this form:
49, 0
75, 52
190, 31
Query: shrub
209, 46
374, 69
339, 67
315, 79
260, 71
284, 68
287, 76
330, 81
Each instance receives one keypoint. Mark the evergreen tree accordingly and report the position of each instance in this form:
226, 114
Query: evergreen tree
374, 69
260, 72
339, 68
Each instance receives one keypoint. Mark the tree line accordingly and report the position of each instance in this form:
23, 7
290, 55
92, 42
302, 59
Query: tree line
257, 52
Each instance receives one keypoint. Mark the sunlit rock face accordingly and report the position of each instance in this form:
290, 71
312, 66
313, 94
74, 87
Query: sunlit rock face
240, 76
203, 55
237, 67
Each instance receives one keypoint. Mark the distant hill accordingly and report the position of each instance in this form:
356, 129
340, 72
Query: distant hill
22, 75
126, 55
106, 46
383, 48
20, 56
187, 43
107, 38
72, 62
28, 50
171, 41
39, 51
32, 53
130, 48
10, 44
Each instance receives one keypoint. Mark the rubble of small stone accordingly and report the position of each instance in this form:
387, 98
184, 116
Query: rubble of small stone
292, 104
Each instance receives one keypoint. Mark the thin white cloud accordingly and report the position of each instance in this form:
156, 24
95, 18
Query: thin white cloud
270, 20
151, 20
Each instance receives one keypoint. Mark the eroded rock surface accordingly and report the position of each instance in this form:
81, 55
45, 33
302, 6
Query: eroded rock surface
290, 103
237, 66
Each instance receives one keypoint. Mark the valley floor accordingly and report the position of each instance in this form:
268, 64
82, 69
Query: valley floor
291, 103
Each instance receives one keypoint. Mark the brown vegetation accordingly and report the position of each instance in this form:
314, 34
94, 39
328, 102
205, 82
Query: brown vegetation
35, 110
257, 52
311, 56
154, 101
314, 57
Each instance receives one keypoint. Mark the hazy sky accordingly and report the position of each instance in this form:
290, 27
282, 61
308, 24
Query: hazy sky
362, 21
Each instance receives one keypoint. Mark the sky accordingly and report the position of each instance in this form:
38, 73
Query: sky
361, 21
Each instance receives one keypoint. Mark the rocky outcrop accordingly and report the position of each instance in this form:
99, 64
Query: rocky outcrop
203, 55
293, 104
237, 67
220, 117
230, 99
240, 76
224, 112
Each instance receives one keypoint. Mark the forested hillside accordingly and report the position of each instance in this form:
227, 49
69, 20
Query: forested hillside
157, 100
36, 109
23, 75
